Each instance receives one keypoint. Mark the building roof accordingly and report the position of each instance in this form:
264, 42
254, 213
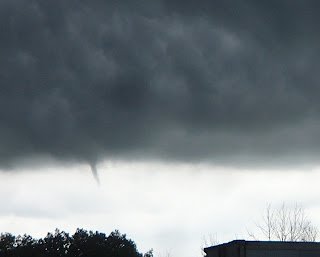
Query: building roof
264, 245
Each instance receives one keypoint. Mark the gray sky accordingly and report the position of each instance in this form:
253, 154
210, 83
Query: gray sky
162, 84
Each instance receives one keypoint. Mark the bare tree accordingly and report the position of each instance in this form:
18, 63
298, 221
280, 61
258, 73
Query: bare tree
207, 241
287, 224
167, 253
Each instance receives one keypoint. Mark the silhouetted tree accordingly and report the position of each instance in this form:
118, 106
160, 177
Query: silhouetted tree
86, 243
26, 246
59, 244
149, 253
118, 245
7, 243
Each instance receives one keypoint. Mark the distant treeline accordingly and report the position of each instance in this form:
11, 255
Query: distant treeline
81, 244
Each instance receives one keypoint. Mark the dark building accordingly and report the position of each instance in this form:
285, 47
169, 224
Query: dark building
242, 248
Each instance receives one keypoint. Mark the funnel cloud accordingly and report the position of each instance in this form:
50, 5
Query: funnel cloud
95, 172
232, 82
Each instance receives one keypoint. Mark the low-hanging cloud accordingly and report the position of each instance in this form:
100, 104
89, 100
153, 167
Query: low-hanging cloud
223, 81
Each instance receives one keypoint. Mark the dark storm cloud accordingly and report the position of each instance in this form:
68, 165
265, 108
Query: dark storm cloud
226, 81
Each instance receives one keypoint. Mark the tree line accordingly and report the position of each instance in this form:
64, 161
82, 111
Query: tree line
82, 243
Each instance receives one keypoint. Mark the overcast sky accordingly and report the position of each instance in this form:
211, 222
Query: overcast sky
194, 114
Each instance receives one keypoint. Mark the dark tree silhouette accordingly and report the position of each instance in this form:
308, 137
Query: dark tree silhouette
7, 243
82, 243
